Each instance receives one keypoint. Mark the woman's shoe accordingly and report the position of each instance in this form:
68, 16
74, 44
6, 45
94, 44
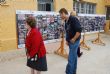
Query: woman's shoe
80, 54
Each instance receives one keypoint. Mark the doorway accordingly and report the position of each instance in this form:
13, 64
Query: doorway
108, 15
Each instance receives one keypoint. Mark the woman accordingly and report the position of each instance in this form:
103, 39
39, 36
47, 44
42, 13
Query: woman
36, 52
73, 13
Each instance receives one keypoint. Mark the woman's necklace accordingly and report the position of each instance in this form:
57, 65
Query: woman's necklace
28, 32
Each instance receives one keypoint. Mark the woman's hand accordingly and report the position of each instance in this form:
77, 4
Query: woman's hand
28, 56
67, 43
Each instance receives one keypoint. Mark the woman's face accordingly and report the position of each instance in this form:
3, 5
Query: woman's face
27, 26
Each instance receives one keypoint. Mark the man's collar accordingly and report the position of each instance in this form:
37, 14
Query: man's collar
67, 18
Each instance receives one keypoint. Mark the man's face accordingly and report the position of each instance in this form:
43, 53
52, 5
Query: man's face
63, 16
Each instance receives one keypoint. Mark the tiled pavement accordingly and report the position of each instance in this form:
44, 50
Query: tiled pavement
95, 61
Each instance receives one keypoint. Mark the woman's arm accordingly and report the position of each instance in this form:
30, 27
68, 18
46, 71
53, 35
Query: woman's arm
35, 44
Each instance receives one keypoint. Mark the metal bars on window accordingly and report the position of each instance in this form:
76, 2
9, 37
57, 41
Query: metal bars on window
48, 1
45, 5
85, 8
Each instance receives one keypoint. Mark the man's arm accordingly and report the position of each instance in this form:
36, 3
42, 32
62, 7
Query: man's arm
78, 29
75, 37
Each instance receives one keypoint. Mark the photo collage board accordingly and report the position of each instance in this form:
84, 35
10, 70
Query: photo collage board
48, 23
51, 26
92, 22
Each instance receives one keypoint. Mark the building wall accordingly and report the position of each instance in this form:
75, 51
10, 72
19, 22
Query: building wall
100, 6
8, 36
68, 4
107, 2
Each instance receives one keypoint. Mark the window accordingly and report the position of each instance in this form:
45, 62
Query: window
86, 8
82, 10
2, 1
45, 5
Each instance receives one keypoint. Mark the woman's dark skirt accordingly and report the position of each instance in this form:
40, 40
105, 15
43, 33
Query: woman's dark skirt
39, 65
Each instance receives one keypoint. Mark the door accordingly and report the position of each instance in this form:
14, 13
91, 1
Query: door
108, 15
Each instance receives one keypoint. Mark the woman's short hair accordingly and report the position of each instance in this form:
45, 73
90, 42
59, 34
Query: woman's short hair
31, 21
73, 13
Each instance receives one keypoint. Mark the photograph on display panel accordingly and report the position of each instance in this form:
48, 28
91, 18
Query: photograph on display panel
49, 26
92, 23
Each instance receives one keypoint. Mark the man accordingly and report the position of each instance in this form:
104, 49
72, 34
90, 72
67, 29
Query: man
73, 13
73, 35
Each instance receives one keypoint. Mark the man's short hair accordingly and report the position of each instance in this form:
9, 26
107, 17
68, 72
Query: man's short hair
63, 10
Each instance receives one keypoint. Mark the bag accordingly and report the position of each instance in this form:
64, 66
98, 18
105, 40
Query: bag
34, 59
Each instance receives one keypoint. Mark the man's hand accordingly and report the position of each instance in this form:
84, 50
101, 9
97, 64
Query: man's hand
72, 40
75, 37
